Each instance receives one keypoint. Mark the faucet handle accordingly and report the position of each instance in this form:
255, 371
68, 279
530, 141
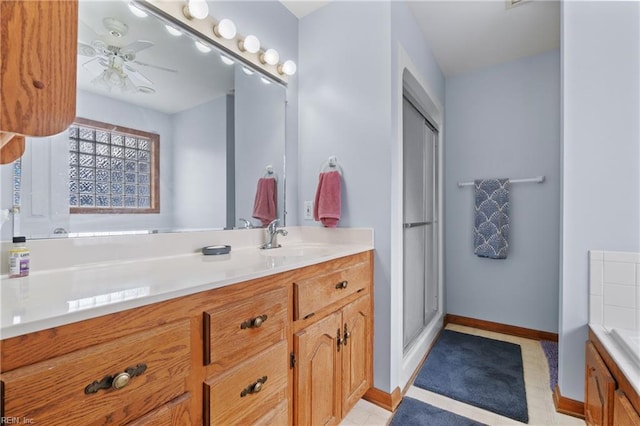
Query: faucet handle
273, 225
246, 224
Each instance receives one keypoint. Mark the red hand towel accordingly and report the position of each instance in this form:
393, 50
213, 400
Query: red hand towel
326, 208
265, 207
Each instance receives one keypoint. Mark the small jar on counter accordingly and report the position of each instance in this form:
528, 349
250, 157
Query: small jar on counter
19, 258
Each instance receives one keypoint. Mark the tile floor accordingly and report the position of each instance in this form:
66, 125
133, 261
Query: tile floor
536, 376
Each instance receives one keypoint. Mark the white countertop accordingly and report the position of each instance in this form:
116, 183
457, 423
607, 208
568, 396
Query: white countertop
56, 297
619, 354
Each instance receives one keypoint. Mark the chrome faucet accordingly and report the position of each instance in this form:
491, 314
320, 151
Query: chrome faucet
245, 223
272, 233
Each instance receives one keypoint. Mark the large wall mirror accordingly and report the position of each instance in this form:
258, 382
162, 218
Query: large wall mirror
221, 129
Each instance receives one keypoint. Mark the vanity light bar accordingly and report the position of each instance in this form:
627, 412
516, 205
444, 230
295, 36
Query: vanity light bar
223, 35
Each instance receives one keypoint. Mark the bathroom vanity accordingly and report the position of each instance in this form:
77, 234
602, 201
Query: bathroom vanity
280, 336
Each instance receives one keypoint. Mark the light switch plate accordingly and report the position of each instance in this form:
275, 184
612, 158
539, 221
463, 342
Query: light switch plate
308, 210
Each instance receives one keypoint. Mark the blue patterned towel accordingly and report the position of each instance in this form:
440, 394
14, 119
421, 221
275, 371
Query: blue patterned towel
491, 228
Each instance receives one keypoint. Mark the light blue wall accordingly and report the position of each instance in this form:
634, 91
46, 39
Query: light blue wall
406, 32
345, 75
199, 157
601, 158
259, 139
504, 121
276, 27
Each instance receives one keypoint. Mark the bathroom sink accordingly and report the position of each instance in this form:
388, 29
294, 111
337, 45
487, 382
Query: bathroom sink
295, 251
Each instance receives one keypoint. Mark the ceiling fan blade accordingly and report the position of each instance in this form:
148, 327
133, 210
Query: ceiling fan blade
86, 50
137, 74
85, 32
137, 46
144, 64
94, 66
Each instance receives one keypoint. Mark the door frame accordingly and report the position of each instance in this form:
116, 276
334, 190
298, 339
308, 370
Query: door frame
411, 84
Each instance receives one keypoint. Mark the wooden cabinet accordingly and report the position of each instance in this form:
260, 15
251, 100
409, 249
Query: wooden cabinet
232, 355
38, 44
610, 399
113, 382
246, 336
623, 412
599, 389
333, 362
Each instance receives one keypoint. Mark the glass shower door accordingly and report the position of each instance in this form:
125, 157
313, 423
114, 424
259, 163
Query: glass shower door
420, 243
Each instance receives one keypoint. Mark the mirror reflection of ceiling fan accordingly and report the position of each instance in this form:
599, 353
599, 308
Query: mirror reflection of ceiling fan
114, 63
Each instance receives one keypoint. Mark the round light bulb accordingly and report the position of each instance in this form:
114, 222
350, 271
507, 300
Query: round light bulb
226, 60
270, 56
173, 31
289, 68
137, 11
202, 47
247, 71
225, 29
249, 44
196, 9
265, 80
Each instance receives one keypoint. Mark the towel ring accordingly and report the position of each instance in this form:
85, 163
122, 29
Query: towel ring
269, 172
331, 165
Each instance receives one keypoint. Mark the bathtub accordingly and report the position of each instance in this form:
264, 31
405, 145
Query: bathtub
629, 340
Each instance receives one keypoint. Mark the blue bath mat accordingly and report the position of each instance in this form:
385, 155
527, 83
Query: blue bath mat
551, 352
482, 372
412, 412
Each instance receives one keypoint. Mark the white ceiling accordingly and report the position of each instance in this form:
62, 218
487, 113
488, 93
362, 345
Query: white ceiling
470, 35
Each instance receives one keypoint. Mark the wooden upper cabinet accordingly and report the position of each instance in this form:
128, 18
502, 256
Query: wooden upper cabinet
38, 45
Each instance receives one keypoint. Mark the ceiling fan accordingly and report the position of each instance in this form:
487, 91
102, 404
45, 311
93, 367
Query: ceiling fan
113, 63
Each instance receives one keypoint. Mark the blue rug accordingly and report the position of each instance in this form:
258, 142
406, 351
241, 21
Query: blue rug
412, 412
551, 352
482, 372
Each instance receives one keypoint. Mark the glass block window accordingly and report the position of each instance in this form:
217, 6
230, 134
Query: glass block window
112, 169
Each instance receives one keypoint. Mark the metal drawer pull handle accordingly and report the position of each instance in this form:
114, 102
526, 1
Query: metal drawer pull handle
342, 284
254, 387
254, 322
117, 381
346, 334
339, 340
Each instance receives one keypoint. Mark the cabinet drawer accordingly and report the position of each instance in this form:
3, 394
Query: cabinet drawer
226, 398
237, 331
315, 293
173, 413
53, 392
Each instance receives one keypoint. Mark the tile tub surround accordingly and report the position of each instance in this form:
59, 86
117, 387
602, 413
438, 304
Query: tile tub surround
79, 278
614, 289
614, 303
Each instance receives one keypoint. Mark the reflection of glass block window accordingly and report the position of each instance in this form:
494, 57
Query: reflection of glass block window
112, 169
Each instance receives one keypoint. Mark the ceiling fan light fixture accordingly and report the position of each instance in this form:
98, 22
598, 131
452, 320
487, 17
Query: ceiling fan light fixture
196, 9
225, 29
173, 30
137, 11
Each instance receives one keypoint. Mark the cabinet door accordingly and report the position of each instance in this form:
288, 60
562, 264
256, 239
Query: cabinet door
599, 390
623, 412
318, 371
38, 66
356, 353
